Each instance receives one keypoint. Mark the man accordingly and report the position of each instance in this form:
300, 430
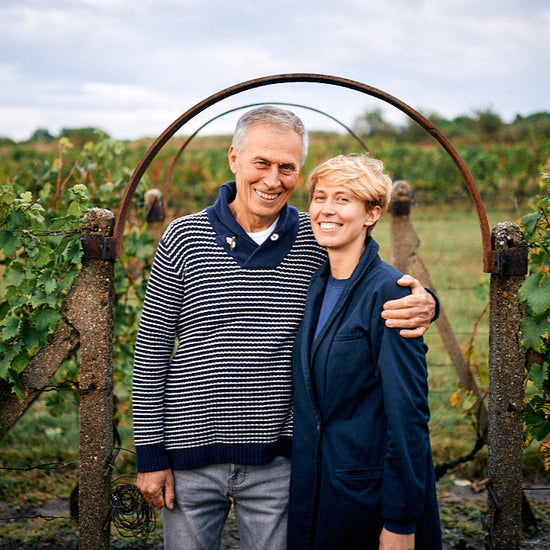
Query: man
213, 419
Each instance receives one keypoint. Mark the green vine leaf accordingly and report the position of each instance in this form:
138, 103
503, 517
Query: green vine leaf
536, 417
49, 318
11, 328
538, 374
20, 362
10, 242
535, 290
530, 222
15, 276
32, 338
533, 333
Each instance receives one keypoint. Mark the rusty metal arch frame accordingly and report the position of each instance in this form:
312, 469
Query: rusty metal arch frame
114, 249
172, 167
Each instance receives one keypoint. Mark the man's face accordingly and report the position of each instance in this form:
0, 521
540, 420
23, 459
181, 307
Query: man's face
266, 172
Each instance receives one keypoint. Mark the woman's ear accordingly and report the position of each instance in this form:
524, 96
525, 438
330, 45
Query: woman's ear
373, 215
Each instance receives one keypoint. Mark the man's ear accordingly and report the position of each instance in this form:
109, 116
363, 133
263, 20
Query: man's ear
232, 158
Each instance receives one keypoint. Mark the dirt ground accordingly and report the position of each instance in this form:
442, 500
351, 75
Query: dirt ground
461, 503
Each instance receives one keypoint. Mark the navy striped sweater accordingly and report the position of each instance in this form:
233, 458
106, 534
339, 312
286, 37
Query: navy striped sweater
230, 309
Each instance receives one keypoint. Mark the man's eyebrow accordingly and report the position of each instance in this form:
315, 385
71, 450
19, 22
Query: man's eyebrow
269, 161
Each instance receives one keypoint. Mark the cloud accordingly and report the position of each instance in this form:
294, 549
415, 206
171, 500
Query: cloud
117, 60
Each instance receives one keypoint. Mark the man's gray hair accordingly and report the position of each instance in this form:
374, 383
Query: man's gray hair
280, 119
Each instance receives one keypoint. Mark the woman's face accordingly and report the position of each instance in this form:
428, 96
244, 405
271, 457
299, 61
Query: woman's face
338, 218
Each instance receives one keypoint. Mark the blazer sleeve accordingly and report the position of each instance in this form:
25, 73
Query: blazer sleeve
403, 372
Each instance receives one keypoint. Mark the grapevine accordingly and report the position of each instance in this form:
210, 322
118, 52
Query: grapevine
40, 256
535, 292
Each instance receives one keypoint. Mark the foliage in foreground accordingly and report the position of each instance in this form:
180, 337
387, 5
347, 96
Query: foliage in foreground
40, 255
535, 291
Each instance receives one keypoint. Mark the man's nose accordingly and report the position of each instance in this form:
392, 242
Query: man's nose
271, 179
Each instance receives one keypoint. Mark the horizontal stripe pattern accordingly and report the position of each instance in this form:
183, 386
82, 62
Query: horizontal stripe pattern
212, 367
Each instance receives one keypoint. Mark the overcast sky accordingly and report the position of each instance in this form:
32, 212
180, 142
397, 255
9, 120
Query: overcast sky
131, 67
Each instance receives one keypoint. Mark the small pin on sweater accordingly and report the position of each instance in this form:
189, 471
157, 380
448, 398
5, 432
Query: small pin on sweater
232, 242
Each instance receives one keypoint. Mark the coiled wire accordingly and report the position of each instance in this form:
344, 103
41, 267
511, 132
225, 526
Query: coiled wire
131, 514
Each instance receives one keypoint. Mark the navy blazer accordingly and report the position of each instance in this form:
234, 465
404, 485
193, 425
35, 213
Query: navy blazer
361, 452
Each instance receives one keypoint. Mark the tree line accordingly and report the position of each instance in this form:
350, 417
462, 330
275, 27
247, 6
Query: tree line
481, 127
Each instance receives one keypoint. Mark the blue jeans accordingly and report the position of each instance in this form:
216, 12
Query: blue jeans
203, 500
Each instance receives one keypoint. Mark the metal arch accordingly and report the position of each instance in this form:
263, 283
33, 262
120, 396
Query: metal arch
488, 254
168, 179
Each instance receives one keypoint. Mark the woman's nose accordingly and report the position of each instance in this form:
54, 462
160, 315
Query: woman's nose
328, 207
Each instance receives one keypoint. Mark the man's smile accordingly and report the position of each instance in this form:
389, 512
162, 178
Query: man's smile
267, 196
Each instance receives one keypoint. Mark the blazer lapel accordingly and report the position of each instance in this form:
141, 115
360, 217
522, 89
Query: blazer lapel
309, 345
369, 255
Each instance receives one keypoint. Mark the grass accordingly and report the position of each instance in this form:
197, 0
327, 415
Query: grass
451, 249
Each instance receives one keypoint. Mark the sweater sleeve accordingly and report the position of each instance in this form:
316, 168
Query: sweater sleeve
154, 348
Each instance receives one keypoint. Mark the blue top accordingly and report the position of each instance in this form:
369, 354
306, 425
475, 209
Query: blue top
332, 293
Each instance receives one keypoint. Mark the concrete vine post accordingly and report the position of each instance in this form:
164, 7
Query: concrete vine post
405, 257
506, 389
92, 299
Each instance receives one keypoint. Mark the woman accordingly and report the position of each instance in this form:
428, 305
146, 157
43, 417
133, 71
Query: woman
362, 473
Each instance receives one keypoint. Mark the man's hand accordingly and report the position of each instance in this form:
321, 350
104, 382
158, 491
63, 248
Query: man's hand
157, 488
412, 313
393, 541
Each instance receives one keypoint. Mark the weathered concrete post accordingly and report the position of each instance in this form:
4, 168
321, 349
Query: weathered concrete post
404, 256
92, 299
154, 214
404, 241
36, 375
506, 383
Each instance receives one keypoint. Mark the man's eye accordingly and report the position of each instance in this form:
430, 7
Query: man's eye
287, 170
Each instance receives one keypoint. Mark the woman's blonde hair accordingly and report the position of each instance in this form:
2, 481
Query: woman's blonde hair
363, 176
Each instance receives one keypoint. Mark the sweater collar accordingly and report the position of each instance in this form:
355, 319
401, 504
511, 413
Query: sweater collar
236, 242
